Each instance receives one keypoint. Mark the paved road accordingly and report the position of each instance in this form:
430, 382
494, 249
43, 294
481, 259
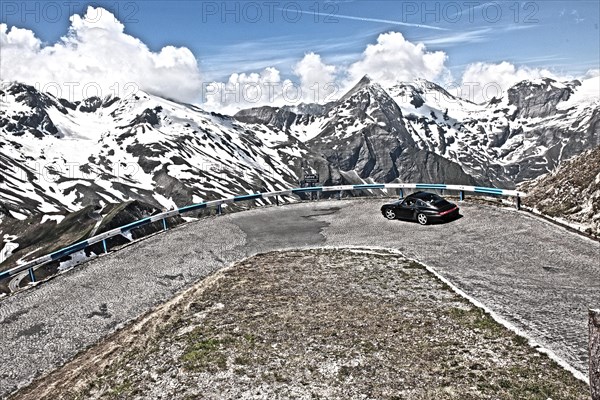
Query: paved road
534, 274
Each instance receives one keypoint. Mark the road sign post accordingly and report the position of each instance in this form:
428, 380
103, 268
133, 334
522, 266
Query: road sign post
311, 180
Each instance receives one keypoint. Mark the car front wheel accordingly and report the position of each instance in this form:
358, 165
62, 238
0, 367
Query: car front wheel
389, 214
422, 219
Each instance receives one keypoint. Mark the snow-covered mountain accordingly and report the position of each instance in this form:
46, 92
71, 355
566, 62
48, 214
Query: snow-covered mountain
57, 156
362, 136
420, 131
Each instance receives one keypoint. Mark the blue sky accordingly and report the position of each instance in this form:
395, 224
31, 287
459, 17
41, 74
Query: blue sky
231, 36
203, 51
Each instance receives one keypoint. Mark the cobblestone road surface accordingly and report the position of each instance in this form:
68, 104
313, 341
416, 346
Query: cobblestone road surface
534, 274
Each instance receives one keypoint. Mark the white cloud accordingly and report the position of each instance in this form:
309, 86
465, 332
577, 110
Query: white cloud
97, 55
591, 73
394, 59
250, 90
482, 81
18, 38
316, 84
317, 79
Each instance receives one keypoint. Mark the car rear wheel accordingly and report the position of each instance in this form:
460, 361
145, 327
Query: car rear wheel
422, 219
389, 214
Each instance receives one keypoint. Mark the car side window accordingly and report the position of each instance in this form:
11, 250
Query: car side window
421, 203
409, 202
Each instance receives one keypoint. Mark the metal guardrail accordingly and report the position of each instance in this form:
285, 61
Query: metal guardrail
30, 265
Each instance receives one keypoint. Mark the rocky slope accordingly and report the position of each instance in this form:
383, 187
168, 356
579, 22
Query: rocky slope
42, 234
60, 157
571, 192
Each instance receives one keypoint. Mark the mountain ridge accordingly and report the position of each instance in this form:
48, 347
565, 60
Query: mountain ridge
59, 156
520, 136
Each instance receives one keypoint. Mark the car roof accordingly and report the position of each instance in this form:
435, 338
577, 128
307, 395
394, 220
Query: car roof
419, 195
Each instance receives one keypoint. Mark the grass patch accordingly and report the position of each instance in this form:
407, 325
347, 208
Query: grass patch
204, 355
205, 351
123, 388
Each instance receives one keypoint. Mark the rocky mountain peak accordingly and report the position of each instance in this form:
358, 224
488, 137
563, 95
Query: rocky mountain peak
29, 95
365, 81
539, 97
36, 121
365, 84
267, 115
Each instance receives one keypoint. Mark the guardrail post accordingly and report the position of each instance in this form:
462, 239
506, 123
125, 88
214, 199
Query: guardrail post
219, 211
104, 245
277, 200
31, 275
164, 221
401, 192
340, 195
462, 195
594, 354
518, 202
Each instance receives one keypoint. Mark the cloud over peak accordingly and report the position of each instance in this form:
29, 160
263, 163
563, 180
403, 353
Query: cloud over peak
393, 59
483, 81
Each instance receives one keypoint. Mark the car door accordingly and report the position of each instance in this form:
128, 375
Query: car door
421, 206
406, 209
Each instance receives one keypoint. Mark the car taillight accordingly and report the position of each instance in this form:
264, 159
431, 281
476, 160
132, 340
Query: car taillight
448, 211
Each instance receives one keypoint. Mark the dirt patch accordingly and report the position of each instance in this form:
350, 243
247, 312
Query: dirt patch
341, 324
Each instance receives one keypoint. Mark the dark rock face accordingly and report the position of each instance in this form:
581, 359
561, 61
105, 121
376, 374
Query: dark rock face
150, 117
283, 117
425, 166
37, 122
539, 99
90, 105
172, 188
278, 117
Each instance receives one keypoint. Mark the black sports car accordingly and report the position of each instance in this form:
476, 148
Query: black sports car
422, 207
